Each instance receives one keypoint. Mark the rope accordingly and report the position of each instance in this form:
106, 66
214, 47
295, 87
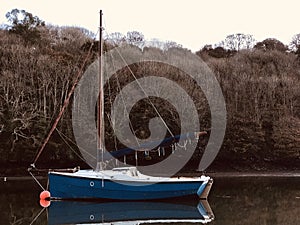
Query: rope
72, 149
37, 216
112, 125
36, 180
151, 103
136, 158
66, 103
123, 101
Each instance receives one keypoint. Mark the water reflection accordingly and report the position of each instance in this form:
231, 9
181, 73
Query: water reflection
19, 203
239, 201
72, 212
256, 200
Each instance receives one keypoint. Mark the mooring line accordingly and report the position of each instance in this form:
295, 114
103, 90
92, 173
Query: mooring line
37, 216
36, 180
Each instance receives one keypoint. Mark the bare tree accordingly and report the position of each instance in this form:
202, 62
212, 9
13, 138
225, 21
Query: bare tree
155, 43
116, 38
171, 44
295, 43
237, 42
135, 38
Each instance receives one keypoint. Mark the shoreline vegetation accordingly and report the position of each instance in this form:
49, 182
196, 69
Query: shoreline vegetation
211, 174
260, 82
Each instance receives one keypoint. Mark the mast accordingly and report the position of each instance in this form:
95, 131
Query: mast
100, 109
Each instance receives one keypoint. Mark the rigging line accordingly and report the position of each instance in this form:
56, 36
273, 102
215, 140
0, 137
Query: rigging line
47, 214
108, 117
36, 180
66, 103
72, 149
123, 101
122, 97
38, 215
112, 125
64, 137
151, 103
100, 106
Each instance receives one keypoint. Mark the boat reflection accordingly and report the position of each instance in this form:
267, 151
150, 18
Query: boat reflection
76, 212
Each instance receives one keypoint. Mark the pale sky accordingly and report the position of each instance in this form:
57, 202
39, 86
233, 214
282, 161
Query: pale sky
192, 23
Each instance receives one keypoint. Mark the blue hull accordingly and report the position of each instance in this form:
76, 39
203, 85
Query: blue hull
68, 212
72, 187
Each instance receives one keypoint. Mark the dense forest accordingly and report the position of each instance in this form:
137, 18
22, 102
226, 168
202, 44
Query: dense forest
260, 82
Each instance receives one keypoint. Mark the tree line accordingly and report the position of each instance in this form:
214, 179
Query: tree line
259, 81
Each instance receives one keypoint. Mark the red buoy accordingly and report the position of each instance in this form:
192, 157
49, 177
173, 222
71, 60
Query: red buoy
45, 203
45, 199
45, 195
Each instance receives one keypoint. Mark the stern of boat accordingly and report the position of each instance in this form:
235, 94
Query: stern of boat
204, 189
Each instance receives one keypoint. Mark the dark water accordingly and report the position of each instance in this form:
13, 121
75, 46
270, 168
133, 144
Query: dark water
255, 200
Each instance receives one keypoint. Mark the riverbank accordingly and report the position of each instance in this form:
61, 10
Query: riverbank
274, 174
220, 167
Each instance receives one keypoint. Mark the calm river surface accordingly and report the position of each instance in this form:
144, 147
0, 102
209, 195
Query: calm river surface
233, 200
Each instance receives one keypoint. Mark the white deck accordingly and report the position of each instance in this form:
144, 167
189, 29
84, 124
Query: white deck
129, 174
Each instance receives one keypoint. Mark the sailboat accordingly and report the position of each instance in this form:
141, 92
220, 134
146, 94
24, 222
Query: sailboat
124, 183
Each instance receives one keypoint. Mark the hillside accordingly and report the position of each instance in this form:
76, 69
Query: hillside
260, 86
